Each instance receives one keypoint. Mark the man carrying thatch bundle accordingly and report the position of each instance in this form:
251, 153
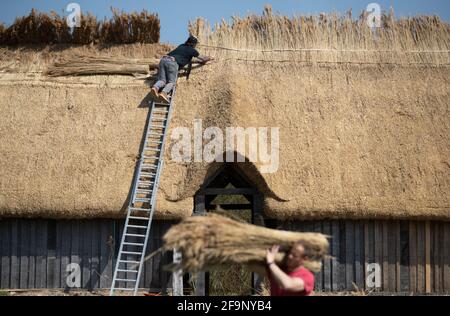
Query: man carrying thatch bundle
211, 241
171, 63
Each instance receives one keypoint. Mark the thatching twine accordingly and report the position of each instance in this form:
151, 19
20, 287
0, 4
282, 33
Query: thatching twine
213, 240
142, 27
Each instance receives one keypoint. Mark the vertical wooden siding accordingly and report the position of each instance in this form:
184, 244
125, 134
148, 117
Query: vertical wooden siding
35, 253
410, 261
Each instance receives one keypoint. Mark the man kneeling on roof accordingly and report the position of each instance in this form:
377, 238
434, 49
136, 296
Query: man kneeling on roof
291, 278
170, 63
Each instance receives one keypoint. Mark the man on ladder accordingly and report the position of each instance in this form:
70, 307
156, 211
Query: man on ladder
136, 231
169, 65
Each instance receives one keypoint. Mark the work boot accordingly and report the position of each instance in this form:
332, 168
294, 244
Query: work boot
154, 93
164, 97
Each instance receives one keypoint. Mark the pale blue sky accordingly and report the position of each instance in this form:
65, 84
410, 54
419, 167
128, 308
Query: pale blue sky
175, 14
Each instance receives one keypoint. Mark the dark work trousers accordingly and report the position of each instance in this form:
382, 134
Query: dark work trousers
167, 74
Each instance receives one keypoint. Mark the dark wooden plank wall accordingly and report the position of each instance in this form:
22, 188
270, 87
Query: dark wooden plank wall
409, 260
35, 253
413, 256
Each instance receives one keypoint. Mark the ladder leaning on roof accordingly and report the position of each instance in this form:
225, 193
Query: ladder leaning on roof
140, 211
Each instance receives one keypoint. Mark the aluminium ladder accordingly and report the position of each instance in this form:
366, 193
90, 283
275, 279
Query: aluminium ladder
136, 231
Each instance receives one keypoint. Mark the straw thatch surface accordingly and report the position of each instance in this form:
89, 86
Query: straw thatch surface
207, 242
361, 135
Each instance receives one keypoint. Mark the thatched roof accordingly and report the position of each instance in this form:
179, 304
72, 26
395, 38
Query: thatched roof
364, 133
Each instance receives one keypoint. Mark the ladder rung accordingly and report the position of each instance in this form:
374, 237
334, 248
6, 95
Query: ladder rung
148, 174
143, 200
137, 226
144, 187
154, 142
160, 103
150, 157
160, 119
155, 134
134, 235
132, 244
152, 149
145, 166
149, 170
125, 280
132, 253
129, 261
142, 191
138, 217
147, 183
122, 289
132, 271
157, 126
143, 178
146, 190
140, 209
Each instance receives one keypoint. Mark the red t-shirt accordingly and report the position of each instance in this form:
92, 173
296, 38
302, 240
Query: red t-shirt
301, 273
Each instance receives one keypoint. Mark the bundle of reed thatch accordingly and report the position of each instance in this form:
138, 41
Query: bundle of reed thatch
121, 28
97, 65
77, 65
213, 240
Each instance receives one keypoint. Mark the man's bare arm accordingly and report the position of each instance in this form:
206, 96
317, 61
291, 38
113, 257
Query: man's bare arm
204, 59
284, 281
